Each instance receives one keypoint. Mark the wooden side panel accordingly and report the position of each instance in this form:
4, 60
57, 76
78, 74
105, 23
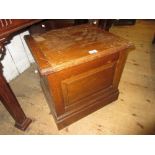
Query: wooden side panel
119, 67
87, 83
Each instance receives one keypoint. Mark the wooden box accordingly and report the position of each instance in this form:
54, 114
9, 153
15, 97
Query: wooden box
80, 69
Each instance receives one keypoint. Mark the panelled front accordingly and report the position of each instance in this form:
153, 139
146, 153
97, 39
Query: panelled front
75, 86
85, 84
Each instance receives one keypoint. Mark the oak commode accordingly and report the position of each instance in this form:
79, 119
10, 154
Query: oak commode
80, 68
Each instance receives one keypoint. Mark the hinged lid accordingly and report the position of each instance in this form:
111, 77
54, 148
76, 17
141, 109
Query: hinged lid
67, 47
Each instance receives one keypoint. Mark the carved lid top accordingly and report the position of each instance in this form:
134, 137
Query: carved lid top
62, 48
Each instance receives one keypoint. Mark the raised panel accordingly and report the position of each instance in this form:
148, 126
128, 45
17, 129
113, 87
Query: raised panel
87, 83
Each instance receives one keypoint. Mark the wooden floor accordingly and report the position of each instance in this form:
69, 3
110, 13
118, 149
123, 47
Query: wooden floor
132, 113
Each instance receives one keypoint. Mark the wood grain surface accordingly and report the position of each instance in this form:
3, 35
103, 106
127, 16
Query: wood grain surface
59, 49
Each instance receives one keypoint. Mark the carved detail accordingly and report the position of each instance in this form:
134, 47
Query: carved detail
3, 42
2, 52
4, 23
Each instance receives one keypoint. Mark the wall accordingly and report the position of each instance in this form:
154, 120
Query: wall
18, 57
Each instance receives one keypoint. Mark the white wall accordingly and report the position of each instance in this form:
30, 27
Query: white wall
18, 57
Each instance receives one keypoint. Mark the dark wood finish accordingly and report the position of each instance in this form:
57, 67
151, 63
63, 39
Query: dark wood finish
11, 104
75, 82
7, 29
105, 24
123, 22
51, 24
